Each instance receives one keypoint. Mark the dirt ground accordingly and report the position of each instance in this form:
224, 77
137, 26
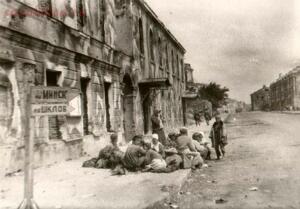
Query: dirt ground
261, 168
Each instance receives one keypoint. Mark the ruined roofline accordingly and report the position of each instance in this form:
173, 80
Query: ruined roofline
165, 29
292, 72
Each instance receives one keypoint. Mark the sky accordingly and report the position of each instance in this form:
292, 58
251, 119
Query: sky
240, 44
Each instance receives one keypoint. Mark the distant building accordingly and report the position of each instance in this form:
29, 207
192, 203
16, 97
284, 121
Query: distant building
260, 99
192, 102
233, 106
285, 92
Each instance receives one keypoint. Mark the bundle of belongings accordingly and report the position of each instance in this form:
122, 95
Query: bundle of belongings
179, 152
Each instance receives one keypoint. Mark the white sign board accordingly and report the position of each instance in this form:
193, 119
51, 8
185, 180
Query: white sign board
46, 95
49, 109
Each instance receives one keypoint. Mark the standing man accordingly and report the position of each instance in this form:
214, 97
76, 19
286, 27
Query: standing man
158, 127
217, 137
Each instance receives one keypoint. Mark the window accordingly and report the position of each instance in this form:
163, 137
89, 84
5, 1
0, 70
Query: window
53, 121
177, 66
151, 45
159, 52
182, 71
167, 58
173, 67
80, 14
141, 36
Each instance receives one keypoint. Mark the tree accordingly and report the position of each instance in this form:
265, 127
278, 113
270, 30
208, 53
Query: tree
214, 93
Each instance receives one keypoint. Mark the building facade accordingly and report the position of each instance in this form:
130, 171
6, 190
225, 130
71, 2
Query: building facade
156, 75
117, 59
285, 92
65, 44
192, 101
260, 99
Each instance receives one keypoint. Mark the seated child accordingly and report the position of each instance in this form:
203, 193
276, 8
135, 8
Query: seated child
157, 146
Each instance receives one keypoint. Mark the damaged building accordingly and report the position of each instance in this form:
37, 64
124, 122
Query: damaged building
117, 58
157, 72
284, 92
64, 44
192, 101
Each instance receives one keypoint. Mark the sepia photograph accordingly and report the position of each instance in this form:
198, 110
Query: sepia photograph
149, 104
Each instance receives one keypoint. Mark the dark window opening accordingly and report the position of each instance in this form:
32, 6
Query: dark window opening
159, 52
85, 117
151, 46
107, 105
173, 65
80, 14
167, 58
54, 121
141, 36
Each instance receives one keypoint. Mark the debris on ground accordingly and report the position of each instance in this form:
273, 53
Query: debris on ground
174, 206
253, 189
221, 201
88, 195
205, 166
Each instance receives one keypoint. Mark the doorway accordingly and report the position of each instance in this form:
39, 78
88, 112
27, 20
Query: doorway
146, 110
128, 121
107, 105
84, 82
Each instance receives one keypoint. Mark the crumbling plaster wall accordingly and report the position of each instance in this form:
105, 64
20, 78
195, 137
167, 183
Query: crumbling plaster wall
169, 101
44, 43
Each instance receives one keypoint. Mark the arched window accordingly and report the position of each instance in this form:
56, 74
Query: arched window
141, 36
151, 45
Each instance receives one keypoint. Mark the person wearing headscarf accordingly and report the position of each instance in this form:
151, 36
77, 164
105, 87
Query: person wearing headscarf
158, 127
157, 146
217, 136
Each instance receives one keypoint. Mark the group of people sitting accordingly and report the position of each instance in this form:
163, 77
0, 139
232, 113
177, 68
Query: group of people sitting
178, 151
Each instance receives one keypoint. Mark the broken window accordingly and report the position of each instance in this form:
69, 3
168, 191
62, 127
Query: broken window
141, 36
167, 58
159, 52
151, 45
177, 67
173, 65
54, 121
80, 14
182, 71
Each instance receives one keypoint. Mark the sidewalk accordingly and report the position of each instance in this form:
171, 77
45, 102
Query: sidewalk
69, 186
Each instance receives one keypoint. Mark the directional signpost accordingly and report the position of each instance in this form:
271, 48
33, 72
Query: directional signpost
42, 101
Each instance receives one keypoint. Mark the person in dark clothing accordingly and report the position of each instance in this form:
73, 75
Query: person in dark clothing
134, 158
207, 116
217, 136
158, 127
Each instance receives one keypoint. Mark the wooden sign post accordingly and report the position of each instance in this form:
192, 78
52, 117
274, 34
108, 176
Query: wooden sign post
41, 101
28, 202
